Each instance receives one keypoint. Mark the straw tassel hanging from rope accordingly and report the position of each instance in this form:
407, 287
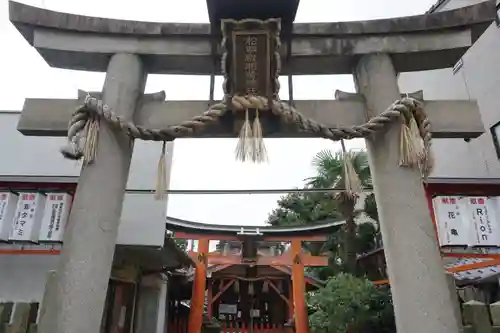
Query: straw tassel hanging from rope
259, 152
411, 148
426, 163
243, 147
161, 174
250, 141
353, 185
90, 138
414, 153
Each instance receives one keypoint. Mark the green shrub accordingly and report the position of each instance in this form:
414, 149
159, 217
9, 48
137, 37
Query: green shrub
351, 305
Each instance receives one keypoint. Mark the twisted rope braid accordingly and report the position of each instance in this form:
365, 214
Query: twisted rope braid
407, 106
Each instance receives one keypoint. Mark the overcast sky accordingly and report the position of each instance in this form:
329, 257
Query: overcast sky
198, 164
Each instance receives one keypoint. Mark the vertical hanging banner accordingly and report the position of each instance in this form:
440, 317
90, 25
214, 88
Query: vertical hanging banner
250, 60
28, 217
452, 226
55, 216
481, 211
8, 205
494, 205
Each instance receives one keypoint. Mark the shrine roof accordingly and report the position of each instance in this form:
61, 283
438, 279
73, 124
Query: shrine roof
466, 277
420, 42
479, 275
169, 257
321, 228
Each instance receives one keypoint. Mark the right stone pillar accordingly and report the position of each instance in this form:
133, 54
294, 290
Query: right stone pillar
421, 297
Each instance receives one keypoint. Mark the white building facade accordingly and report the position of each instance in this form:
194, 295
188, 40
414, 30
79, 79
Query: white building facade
23, 271
475, 77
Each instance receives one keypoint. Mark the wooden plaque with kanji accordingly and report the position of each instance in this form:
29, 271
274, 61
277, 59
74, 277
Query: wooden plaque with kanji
250, 61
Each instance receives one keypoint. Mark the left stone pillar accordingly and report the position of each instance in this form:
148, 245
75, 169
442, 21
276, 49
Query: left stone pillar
89, 243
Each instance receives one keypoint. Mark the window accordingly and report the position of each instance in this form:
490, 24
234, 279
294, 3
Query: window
495, 133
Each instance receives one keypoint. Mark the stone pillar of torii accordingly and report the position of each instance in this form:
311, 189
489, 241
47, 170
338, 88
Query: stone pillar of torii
374, 51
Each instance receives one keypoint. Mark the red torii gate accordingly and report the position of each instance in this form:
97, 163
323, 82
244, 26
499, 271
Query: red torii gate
250, 260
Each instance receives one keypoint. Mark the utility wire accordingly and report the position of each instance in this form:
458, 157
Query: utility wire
248, 191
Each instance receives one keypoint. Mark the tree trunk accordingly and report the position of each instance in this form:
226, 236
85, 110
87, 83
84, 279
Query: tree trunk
347, 205
350, 246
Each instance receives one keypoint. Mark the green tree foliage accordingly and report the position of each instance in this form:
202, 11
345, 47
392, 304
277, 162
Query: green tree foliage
304, 208
309, 208
349, 304
330, 173
364, 241
329, 167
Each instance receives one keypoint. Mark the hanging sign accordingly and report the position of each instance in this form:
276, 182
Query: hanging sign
467, 221
452, 226
482, 211
55, 216
28, 217
8, 205
250, 57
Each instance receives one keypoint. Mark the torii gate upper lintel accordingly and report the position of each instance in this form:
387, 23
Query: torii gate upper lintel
374, 51
80, 42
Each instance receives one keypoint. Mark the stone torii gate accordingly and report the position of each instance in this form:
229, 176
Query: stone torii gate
373, 51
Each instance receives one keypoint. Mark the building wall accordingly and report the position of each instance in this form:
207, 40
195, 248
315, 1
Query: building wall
23, 277
478, 79
28, 156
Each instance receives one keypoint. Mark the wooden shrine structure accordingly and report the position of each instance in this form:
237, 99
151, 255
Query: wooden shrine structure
256, 280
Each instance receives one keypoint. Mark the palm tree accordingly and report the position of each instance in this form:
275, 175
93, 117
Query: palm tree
330, 173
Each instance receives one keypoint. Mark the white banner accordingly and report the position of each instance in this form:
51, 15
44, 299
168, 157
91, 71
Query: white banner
28, 217
8, 205
482, 212
453, 228
55, 216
